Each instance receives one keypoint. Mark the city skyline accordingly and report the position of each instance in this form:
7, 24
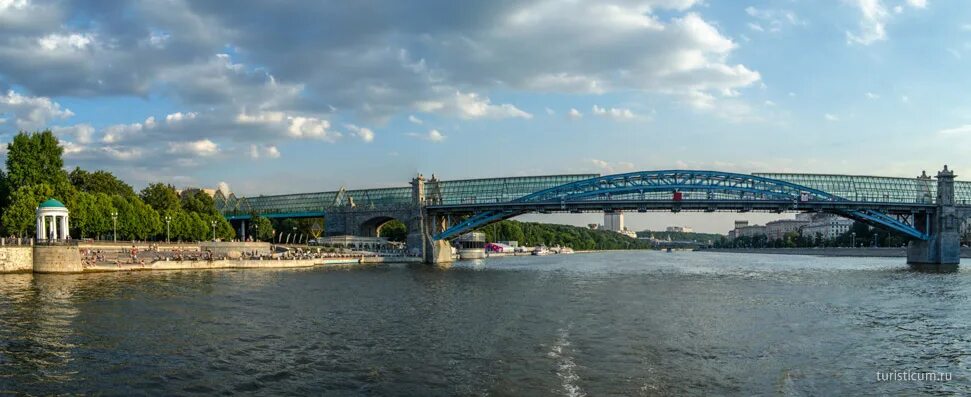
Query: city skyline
306, 97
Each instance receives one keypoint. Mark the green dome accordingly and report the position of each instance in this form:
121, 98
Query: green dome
51, 203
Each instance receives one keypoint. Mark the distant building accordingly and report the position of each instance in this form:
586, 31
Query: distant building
679, 229
777, 230
614, 221
743, 229
750, 231
828, 226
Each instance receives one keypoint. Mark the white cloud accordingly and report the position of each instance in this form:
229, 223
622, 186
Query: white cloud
872, 24
962, 130
606, 167
614, 113
79, 133
31, 112
575, 114
268, 151
774, 20
310, 127
831, 117
917, 3
123, 154
73, 41
874, 20
12, 4
179, 116
432, 136
415, 120
365, 134
297, 127
871, 95
202, 147
471, 106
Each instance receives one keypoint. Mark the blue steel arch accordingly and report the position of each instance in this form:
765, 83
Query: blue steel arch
640, 185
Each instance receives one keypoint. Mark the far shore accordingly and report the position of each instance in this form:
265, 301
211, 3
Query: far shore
880, 252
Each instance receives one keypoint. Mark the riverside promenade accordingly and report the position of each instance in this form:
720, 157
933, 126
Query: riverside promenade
277, 263
83, 257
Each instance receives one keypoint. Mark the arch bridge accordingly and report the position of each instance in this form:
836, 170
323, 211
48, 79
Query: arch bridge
928, 212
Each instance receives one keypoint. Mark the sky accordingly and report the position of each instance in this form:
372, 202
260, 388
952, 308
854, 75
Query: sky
272, 97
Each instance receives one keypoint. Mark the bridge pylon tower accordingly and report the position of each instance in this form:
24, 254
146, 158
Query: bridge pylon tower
943, 248
425, 225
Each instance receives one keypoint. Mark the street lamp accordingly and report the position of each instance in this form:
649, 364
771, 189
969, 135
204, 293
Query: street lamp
854, 238
168, 219
114, 226
213, 223
256, 234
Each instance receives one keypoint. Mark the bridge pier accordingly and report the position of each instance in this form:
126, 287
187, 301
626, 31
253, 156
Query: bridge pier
434, 252
942, 251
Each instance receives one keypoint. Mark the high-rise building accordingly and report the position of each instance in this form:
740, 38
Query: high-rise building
614, 221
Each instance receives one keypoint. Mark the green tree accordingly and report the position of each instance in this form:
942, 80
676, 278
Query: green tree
198, 201
261, 228
20, 216
99, 182
34, 159
394, 230
162, 197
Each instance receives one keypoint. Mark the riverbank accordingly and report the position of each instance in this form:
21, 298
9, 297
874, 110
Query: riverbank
246, 264
882, 252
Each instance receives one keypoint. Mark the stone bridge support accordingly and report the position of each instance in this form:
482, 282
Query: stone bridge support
365, 222
944, 246
433, 251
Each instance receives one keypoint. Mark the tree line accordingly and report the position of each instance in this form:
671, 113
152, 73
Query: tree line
579, 238
99, 203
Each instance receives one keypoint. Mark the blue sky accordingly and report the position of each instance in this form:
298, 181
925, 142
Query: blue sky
307, 96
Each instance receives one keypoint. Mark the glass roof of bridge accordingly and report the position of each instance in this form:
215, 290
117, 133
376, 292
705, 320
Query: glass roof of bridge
465, 191
491, 190
875, 188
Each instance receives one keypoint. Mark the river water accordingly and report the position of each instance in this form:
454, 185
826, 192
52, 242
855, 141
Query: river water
613, 323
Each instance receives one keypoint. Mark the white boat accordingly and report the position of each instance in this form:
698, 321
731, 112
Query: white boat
566, 250
541, 250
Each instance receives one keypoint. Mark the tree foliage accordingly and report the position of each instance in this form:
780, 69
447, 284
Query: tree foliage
260, 228
34, 159
580, 238
99, 182
19, 217
394, 230
162, 197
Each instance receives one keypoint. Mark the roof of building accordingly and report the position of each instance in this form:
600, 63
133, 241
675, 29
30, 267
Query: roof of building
52, 203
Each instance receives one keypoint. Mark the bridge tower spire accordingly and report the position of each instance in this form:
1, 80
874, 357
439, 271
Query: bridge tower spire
943, 226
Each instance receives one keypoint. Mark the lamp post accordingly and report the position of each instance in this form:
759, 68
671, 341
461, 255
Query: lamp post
114, 226
168, 220
213, 223
853, 234
256, 233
